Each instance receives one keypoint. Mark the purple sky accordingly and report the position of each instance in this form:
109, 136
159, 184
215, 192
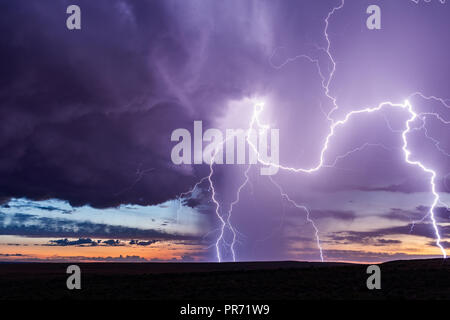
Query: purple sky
87, 117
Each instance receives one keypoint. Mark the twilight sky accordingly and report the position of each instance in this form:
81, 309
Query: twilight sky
87, 115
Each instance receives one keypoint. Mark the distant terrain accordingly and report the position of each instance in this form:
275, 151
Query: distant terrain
409, 279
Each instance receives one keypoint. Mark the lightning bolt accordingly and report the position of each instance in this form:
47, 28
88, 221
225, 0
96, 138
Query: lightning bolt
358, 149
435, 142
308, 214
407, 153
236, 201
225, 222
330, 57
217, 205
336, 124
431, 172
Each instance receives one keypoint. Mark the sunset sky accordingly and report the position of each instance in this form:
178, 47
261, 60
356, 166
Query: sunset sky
87, 116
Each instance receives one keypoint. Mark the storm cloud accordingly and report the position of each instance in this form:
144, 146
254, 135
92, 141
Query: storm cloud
87, 116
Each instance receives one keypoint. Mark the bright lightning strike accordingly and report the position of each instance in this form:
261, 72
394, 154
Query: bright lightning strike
308, 215
407, 153
335, 125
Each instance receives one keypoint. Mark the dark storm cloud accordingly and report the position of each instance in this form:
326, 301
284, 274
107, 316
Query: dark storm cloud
34, 226
78, 119
86, 114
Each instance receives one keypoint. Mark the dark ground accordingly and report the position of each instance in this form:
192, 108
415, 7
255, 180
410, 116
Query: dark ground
413, 279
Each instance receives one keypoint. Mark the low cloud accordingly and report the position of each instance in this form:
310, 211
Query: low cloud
143, 243
84, 242
383, 242
11, 255
34, 226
